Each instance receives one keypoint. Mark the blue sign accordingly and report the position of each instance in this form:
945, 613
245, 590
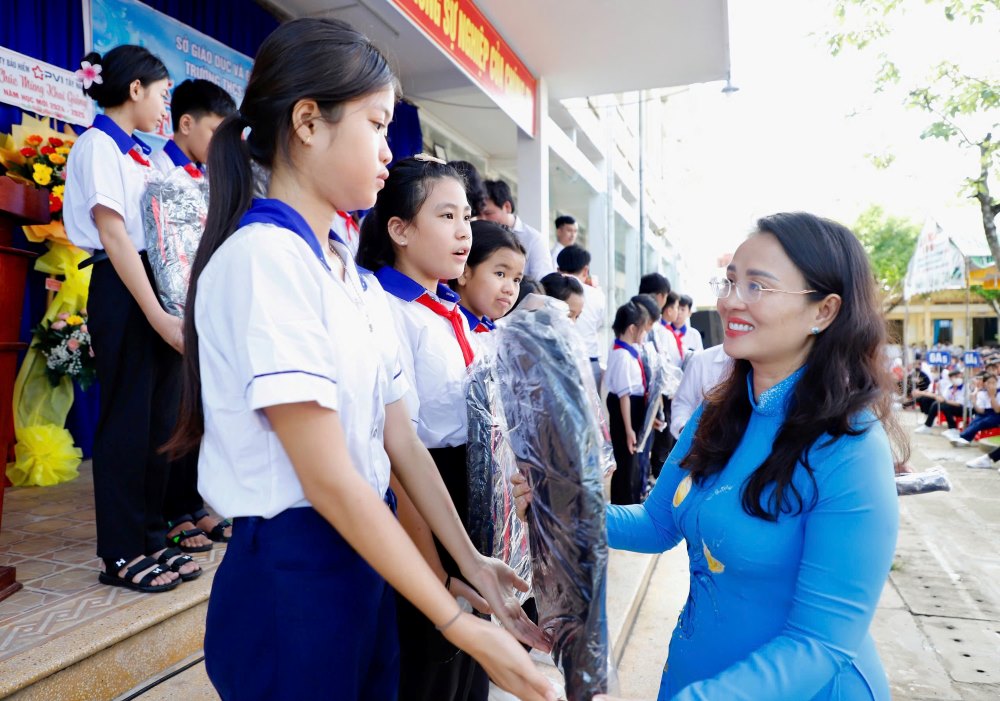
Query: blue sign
939, 358
972, 359
187, 53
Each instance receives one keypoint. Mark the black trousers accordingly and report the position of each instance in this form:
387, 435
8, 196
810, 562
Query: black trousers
950, 411
139, 376
182, 497
626, 485
431, 668
663, 441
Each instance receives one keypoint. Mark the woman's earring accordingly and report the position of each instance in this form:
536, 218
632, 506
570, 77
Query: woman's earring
814, 331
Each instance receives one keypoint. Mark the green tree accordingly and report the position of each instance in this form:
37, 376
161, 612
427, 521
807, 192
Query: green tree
889, 242
962, 102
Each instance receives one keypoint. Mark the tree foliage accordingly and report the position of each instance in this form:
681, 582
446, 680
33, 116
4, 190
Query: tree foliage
889, 242
962, 102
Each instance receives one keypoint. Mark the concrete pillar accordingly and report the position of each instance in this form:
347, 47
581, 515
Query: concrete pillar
533, 168
632, 261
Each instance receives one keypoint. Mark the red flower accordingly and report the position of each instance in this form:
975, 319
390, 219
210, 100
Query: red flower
55, 204
29, 152
54, 142
46, 150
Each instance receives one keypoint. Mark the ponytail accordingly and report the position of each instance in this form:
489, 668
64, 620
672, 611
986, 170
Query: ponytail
320, 59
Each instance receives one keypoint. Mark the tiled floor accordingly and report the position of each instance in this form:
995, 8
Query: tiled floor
48, 534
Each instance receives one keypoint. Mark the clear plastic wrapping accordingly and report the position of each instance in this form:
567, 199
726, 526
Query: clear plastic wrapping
174, 209
494, 526
933, 479
665, 378
559, 447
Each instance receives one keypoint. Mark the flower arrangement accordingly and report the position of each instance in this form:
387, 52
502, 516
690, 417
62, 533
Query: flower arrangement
41, 161
65, 343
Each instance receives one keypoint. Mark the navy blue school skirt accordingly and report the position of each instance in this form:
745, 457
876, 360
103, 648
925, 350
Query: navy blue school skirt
296, 613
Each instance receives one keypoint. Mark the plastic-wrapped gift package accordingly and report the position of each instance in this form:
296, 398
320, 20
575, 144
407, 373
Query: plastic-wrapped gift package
174, 209
494, 527
665, 378
559, 447
933, 479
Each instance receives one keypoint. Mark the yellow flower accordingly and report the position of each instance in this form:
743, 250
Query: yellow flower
42, 174
682, 491
74, 320
58, 191
57, 159
62, 150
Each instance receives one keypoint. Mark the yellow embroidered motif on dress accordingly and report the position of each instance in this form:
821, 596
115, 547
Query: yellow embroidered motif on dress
714, 565
682, 491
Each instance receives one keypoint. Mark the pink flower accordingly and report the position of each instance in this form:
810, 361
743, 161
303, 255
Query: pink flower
84, 328
89, 73
73, 344
92, 353
58, 325
63, 317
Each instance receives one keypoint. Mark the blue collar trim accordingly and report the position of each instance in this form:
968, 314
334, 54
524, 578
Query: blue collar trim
177, 156
475, 322
682, 330
270, 211
625, 346
773, 402
406, 288
125, 142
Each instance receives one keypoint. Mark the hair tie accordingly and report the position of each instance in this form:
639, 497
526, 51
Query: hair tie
90, 74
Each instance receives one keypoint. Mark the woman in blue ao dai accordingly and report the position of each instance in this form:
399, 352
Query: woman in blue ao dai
781, 483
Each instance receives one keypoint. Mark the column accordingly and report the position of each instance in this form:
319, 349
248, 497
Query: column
533, 168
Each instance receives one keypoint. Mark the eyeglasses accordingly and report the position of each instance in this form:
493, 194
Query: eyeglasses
748, 292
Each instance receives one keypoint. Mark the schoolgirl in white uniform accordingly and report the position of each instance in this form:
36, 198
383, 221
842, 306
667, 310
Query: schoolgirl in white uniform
292, 387
491, 280
136, 342
626, 384
418, 234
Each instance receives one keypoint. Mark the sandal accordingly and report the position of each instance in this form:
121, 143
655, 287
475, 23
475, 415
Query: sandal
143, 585
218, 533
174, 541
173, 560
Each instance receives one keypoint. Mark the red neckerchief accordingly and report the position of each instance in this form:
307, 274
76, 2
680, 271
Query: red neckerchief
138, 158
678, 337
352, 226
635, 354
453, 315
193, 170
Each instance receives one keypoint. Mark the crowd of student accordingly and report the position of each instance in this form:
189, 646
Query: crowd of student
942, 394
321, 403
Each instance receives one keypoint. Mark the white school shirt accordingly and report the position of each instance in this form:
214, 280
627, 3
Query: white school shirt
669, 343
703, 372
276, 326
591, 324
983, 403
100, 171
538, 262
556, 250
623, 376
431, 359
691, 339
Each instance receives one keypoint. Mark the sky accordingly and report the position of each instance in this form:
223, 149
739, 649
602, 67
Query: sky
796, 134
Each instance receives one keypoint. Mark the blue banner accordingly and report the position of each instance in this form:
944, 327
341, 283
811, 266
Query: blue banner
939, 358
187, 53
972, 359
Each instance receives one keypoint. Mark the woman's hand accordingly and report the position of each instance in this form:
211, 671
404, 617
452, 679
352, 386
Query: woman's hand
630, 439
504, 660
171, 330
522, 495
495, 581
458, 588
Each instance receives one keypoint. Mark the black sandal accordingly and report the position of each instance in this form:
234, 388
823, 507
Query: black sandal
174, 541
173, 560
143, 585
217, 534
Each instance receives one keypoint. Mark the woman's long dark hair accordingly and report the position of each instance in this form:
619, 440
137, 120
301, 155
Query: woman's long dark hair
406, 189
845, 373
320, 59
